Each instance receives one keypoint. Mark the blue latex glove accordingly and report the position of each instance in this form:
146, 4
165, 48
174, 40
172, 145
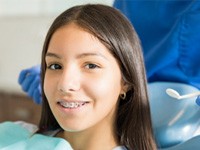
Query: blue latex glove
29, 79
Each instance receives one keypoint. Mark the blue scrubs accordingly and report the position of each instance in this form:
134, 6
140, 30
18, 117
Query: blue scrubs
170, 36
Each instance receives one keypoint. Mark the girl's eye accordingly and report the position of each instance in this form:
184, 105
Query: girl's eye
91, 66
54, 66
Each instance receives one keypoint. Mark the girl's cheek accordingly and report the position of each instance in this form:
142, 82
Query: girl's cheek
48, 87
99, 87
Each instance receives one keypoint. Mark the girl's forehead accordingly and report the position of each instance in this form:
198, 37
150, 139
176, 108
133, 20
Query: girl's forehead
73, 37
73, 31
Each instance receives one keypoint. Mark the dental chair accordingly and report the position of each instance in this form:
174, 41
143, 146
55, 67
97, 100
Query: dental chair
176, 123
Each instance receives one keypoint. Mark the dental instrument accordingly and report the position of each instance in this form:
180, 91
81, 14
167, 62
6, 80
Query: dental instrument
173, 93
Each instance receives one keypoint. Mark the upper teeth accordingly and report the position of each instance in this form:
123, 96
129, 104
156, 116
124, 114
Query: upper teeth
71, 104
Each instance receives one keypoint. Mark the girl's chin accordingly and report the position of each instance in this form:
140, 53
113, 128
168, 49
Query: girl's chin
71, 128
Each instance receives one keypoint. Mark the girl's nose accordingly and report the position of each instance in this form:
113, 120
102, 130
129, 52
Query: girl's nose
69, 81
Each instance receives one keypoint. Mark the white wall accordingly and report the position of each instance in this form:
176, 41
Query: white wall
23, 26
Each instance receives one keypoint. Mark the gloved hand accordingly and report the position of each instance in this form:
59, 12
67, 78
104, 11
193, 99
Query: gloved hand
29, 79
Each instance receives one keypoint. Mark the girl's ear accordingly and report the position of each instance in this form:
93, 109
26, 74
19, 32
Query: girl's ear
125, 87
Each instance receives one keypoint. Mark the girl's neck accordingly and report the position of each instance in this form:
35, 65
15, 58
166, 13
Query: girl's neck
90, 139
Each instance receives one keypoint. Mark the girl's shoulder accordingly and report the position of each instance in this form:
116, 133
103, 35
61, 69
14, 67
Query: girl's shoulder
18, 126
28, 126
12, 132
33, 128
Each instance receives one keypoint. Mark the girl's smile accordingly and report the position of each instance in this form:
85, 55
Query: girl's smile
71, 107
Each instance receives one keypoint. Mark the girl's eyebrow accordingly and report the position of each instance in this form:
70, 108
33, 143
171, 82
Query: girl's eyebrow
91, 54
48, 54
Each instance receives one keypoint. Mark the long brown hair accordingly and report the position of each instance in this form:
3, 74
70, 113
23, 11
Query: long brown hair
133, 121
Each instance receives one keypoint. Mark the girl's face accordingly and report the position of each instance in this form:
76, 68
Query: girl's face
82, 81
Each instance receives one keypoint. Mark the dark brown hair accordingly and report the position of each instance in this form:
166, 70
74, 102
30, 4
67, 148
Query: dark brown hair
133, 121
